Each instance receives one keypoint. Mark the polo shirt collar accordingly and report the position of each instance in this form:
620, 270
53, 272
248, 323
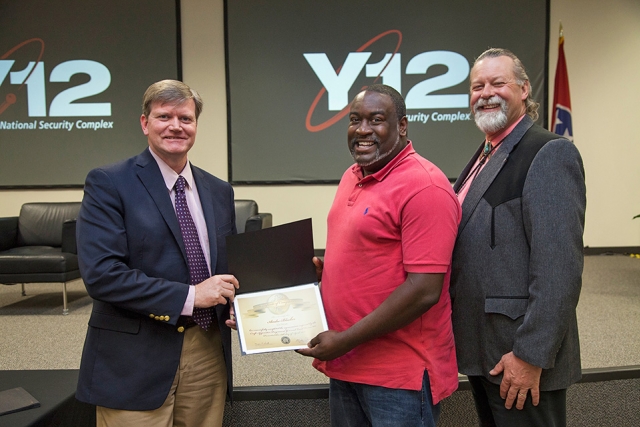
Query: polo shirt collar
382, 173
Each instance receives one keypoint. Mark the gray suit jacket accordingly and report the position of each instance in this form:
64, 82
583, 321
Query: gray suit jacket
517, 263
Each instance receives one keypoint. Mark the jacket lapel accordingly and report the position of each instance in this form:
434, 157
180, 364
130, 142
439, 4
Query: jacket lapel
151, 177
204, 192
486, 176
467, 169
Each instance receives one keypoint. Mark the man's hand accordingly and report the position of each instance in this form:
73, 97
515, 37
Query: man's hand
326, 346
417, 294
519, 377
319, 267
215, 290
231, 322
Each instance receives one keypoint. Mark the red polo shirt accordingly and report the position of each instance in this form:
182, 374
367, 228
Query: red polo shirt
402, 219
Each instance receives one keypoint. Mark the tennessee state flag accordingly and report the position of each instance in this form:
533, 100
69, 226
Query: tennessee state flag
562, 123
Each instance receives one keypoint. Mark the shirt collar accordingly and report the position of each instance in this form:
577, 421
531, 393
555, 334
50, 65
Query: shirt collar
170, 176
382, 173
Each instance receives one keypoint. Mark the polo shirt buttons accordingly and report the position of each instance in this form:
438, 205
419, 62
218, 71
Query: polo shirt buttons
359, 185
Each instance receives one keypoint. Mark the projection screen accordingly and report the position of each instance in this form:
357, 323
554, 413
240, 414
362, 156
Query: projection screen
293, 67
72, 76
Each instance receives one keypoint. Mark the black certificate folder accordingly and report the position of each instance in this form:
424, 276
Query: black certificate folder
272, 258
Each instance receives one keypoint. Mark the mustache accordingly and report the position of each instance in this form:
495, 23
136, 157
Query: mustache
495, 99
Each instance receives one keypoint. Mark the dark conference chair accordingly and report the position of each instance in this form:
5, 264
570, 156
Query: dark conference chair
248, 218
39, 246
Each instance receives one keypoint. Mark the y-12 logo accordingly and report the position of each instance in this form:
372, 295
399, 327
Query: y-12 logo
338, 82
63, 105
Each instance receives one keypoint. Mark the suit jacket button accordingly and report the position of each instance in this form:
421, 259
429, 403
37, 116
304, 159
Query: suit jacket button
166, 318
181, 329
152, 316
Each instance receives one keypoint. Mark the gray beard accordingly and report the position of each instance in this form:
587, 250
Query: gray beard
490, 123
378, 155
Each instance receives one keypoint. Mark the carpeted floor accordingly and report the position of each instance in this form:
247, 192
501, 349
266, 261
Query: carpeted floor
35, 335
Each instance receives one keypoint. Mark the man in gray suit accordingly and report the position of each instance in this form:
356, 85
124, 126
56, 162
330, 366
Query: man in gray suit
517, 263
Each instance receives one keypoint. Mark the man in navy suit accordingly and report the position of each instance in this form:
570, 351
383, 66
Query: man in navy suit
145, 362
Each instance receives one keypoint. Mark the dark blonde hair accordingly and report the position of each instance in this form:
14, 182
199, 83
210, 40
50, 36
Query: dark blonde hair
172, 92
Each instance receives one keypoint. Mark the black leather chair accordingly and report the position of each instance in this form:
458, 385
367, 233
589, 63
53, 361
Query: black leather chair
39, 246
248, 218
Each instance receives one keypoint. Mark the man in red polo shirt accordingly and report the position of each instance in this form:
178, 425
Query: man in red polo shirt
385, 280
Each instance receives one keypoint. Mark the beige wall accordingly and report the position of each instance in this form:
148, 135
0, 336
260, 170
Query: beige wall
604, 69
603, 59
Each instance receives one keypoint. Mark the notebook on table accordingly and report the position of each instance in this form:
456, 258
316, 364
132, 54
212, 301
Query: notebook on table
16, 399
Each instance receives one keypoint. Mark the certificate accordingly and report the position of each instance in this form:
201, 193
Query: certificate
279, 319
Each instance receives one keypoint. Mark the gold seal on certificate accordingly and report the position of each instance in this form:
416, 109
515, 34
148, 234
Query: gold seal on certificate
279, 319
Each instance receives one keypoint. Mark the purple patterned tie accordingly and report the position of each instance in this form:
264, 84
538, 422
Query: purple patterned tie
198, 270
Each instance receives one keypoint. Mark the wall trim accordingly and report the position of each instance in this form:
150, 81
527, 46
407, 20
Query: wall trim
321, 391
599, 250
610, 250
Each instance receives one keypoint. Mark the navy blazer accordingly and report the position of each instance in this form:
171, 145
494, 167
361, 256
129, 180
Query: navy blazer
134, 266
517, 264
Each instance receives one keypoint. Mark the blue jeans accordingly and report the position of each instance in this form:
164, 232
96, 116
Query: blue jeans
357, 405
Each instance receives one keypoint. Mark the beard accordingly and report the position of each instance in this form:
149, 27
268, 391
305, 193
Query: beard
379, 156
490, 122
